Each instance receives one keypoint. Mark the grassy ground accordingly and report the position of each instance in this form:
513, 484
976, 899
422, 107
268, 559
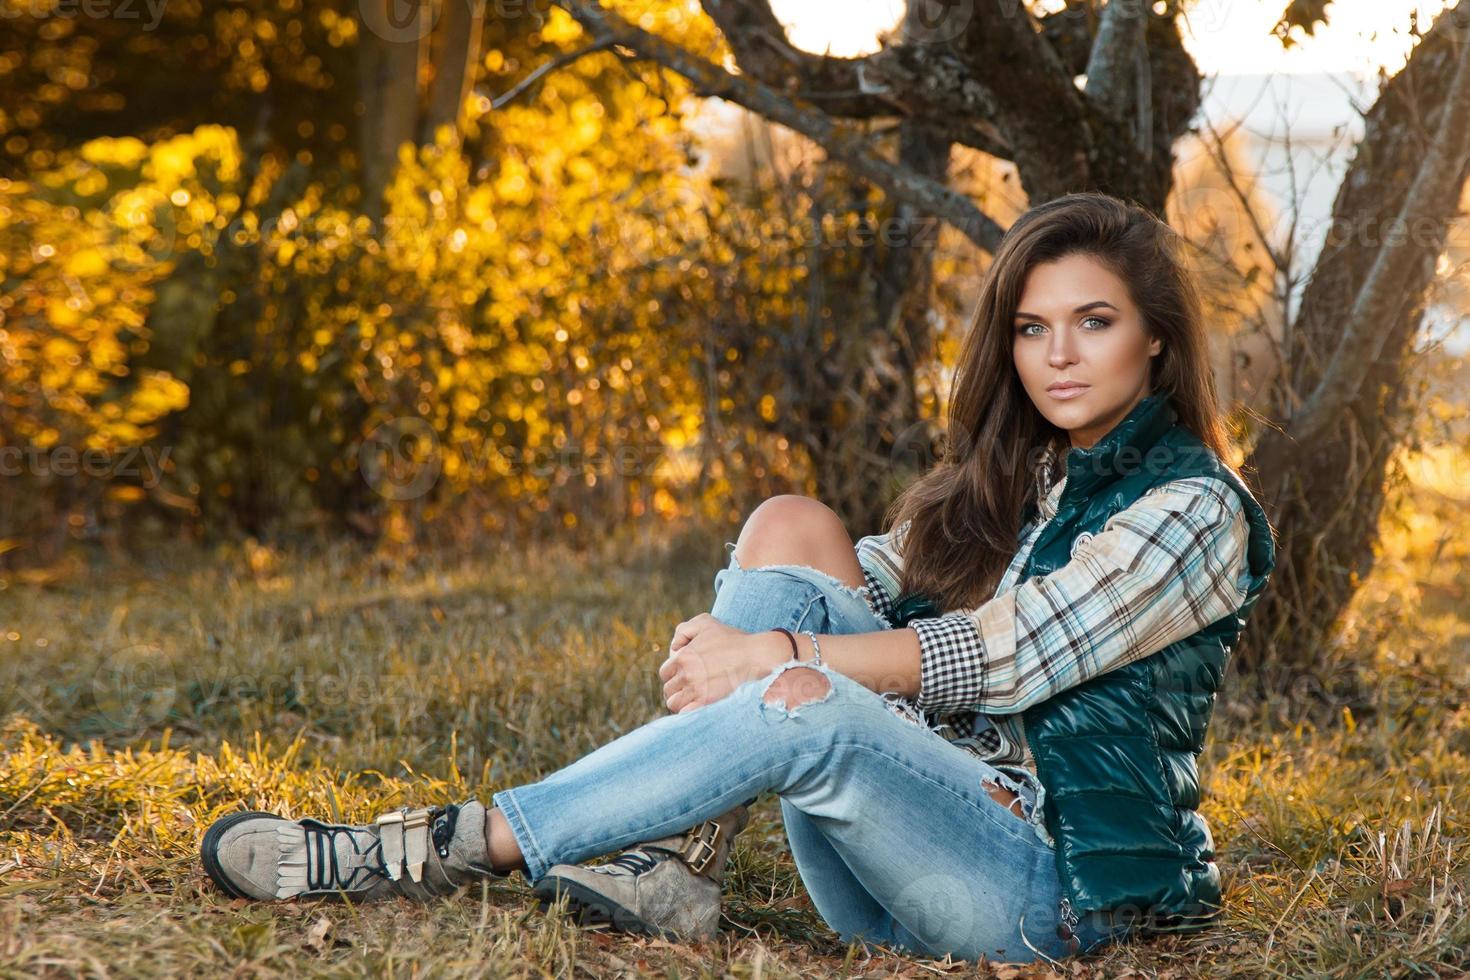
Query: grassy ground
147, 697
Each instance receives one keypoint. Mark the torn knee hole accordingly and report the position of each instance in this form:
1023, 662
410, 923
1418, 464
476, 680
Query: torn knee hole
796, 687
1005, 797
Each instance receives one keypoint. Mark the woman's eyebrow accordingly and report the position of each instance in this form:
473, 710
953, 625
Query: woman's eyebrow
1095, 304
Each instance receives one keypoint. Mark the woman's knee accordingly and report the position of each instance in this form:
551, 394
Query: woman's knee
789, 529
796, 687
831, 708
786, 513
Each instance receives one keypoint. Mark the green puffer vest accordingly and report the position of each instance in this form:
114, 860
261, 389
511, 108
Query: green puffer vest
1117, 754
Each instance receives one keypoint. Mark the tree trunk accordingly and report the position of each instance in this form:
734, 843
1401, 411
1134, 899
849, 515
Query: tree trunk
456, 46
1323, 475
390, 36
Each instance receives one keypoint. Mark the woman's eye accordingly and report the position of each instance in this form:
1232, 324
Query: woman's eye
1099, 321
1026, 328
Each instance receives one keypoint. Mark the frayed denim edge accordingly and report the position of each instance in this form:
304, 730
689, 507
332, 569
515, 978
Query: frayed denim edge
861, 592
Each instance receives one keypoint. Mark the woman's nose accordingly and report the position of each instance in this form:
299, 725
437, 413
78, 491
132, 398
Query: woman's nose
1061, 351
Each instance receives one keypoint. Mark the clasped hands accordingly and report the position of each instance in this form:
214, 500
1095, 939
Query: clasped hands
708, 659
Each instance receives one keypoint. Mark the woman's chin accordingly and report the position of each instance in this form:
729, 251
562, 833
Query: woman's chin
1069, 416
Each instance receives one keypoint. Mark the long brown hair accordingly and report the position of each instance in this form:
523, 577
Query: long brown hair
966, 513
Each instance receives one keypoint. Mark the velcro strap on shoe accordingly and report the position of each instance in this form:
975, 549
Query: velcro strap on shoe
701, 846
416, 842
405, 834
390, 833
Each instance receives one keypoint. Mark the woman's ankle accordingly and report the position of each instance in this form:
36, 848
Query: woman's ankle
500, 843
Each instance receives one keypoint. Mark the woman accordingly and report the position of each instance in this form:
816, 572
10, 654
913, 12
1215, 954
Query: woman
982, 726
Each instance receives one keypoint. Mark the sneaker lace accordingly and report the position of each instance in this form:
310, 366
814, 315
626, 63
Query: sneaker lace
637, 861
323, 872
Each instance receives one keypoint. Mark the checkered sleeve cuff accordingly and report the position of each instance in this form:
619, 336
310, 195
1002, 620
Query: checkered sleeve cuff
951, 662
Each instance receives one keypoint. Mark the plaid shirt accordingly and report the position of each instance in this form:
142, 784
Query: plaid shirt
1158, 571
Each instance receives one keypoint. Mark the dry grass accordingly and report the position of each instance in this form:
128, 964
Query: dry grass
147, 697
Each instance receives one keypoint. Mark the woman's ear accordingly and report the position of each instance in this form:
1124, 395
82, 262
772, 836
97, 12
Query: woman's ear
1155, 347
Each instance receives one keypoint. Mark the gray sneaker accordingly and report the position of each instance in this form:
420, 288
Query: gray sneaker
669, 887
418, 854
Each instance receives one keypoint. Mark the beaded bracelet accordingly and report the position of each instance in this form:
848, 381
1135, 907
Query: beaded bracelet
816, 649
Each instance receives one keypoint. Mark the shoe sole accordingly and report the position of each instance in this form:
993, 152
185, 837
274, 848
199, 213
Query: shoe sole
209, 847
592, 909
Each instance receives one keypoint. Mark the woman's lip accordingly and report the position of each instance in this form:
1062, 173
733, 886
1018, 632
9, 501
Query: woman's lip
1071, 391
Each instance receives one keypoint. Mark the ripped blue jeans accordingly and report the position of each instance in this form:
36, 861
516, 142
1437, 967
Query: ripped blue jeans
895, 837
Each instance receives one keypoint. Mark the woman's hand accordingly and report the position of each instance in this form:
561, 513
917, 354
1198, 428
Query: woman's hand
707, 660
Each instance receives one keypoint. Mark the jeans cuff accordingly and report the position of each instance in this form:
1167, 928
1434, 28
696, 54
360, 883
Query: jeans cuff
536, 863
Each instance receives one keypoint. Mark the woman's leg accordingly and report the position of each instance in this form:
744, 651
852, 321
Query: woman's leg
645, 889
798, 531
765, 585
894, 833
799, 537
903, 809
839, 896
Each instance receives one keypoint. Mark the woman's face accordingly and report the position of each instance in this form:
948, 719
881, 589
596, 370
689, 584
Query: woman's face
1077, 324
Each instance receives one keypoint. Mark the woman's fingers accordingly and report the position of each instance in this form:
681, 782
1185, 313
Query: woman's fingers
689, 629
676, 684
679, 700
678, 670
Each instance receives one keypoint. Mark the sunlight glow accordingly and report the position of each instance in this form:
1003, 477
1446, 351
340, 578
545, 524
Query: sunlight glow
846, 28
1225, 36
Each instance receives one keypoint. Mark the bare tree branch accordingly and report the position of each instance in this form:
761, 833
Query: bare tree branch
843, 86
937, 85
559, 62
850, 148
1143, 127
933, 88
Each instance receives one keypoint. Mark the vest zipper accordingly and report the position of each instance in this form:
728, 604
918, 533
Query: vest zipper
1067, 931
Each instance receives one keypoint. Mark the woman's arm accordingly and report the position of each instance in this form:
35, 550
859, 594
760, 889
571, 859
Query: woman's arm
1161, 569
708, 659
1165, 567
887, 660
